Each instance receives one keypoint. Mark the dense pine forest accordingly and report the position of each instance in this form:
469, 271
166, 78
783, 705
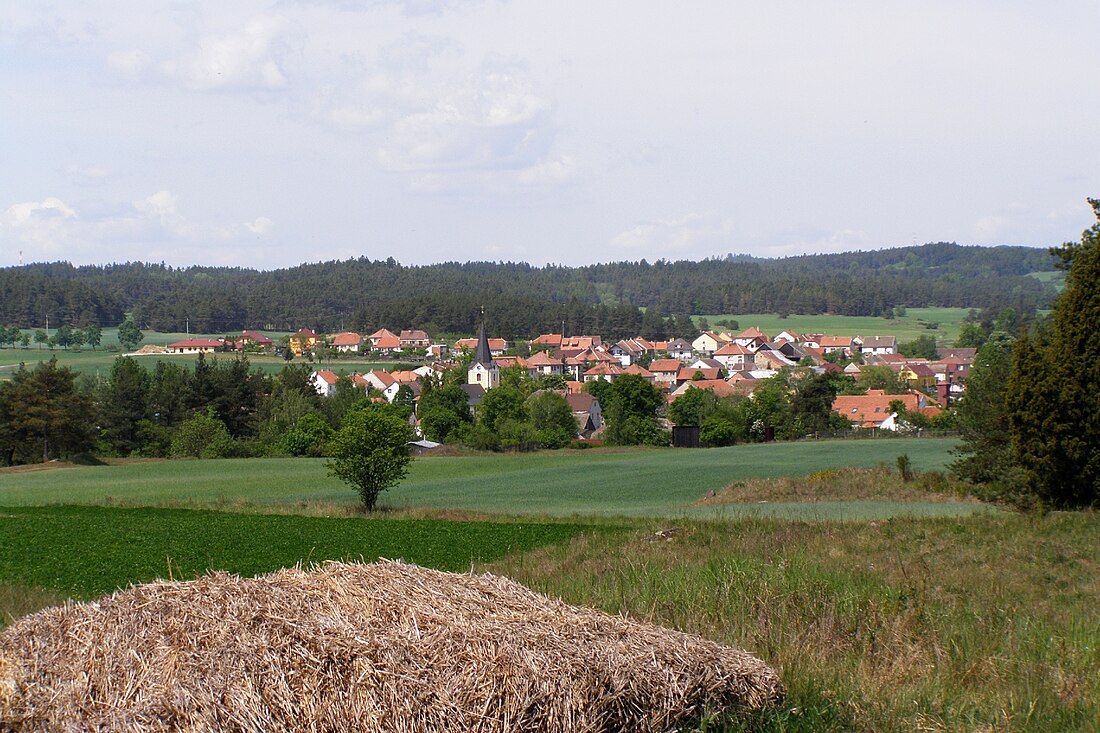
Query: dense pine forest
521, 300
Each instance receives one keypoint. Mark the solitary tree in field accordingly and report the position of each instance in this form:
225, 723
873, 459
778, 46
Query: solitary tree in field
93, 335
129, 335
370, 452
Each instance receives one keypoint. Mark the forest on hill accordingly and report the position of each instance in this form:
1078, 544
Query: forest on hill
521, 300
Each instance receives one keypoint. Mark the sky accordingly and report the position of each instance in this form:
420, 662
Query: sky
268, 133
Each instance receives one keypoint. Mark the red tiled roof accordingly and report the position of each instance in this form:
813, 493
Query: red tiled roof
197, 344
733, 349
497, 344
328, 376
688, 373
542, 358
665, 365
387, 342
873, 407
605, 368
348, 338
255, 337
752, 333
719, 387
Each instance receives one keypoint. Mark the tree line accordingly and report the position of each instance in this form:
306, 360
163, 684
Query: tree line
520, 300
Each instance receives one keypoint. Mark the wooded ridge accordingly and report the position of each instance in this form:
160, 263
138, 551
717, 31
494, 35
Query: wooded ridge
522, 300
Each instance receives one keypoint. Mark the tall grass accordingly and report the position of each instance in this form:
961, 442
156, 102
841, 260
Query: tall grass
983, 623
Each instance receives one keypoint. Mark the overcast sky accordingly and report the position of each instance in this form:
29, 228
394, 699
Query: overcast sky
269, 133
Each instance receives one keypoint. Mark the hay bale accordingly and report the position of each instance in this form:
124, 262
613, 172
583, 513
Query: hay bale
386, 646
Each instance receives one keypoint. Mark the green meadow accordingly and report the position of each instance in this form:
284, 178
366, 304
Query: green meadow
885, 605
915, 323
98, 362
84, 552
601, 482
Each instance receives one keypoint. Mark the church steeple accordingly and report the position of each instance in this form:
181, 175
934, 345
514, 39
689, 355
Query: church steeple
483, 355
483, 371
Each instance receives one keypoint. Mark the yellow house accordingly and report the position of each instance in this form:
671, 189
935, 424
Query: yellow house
917, 375
303, 341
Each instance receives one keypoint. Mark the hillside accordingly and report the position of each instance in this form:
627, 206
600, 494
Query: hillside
616, 299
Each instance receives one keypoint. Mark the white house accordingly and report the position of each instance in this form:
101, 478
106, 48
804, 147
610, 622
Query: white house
324, 382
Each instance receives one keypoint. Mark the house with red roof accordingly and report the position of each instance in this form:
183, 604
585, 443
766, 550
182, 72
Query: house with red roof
414, 338
550, 340
690, 373
848, 345
665, 371
252, 338
385, 342
195, 346
872, 410
543, 362
641, 371
497, 346
606, 371
735, 357
720, 388
324, 382
349, 341
302, 341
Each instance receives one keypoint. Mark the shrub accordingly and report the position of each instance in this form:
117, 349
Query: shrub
202, 436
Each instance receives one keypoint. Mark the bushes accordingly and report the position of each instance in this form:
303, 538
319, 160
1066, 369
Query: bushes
202, 436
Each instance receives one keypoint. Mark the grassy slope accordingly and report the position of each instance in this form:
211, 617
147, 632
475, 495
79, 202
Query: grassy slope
987, 622
563, 483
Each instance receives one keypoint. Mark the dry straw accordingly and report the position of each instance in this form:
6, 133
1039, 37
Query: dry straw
380, 647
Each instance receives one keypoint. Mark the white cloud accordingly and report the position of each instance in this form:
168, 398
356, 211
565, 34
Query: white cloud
87, 172
129, 64
550, 172
49, 209
262, 225
160, 206
250, 58
669, 236
494, 121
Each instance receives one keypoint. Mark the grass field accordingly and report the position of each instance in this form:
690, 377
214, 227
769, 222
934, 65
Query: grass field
907, 328
99, 362
877, 620
627, 482
982, 623
83, 552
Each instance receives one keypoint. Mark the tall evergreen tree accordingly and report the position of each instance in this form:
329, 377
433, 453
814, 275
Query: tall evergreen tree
47, 417
122, 405
1052, 391
985, 455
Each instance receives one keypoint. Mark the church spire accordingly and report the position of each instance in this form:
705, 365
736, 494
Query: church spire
483, 355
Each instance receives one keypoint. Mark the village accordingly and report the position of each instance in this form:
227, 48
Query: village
721, 362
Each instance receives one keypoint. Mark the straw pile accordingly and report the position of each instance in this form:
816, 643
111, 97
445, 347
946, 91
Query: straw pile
386, 646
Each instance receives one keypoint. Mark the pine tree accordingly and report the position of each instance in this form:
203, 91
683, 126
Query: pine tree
1052, 391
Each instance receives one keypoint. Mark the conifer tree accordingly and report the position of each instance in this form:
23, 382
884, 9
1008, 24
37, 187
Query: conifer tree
1054, 386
